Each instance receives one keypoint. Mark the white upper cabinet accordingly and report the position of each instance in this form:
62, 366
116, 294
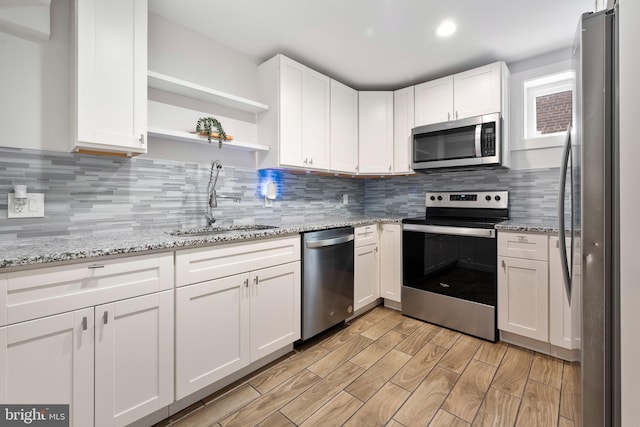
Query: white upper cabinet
110, 85
477, 91
471, 93
434, 101
296, 127
344, 128
375, 132
403, 112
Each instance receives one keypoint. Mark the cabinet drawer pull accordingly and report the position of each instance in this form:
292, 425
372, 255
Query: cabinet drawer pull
84, 323
456, 114
94, 266
256, 280
311, 161
105, 317
503, 264
246, 283
522, 238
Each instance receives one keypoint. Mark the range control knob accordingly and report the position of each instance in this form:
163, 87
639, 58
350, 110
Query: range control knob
432, 197
439, 198
487, 198
497, 198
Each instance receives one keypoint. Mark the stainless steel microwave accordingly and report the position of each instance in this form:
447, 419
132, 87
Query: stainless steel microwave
475, 141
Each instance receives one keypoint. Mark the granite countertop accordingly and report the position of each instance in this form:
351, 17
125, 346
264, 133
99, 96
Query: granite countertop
532, 225
32, 252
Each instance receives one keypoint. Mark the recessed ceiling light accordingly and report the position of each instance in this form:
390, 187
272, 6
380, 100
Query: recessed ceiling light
445, 29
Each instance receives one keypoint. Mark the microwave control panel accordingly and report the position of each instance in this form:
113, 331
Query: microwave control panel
488, 139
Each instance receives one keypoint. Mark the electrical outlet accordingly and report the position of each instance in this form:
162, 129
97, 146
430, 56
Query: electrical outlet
345, 199
34, 208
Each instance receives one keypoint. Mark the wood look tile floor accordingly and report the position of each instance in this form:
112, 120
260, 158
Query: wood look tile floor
385, 369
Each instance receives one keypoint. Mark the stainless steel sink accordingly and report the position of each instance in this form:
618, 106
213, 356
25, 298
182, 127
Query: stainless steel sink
213, 231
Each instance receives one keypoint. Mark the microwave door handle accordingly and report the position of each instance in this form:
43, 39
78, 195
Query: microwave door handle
478, 135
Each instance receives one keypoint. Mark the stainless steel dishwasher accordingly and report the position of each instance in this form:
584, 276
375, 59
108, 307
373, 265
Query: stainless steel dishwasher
327, 279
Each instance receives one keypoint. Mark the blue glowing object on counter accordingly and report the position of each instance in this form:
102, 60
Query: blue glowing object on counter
266, 176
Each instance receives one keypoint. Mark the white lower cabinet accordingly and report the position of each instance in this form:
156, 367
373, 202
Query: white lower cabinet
275, 308
212, 332
391, 261
223, 325
523, 297
133, 358
365, 266
97, 336
366, 287
564, 311
118, 355
50, 360
533, 307
238, 315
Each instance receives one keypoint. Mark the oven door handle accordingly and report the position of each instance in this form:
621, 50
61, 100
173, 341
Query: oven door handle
456, 231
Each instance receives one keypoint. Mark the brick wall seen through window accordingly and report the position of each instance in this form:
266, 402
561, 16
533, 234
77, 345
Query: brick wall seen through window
553, 112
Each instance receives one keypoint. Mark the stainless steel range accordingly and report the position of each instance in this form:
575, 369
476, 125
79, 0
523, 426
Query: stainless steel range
449, 260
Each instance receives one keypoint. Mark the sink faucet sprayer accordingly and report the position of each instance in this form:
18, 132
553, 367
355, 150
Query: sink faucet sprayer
212, 196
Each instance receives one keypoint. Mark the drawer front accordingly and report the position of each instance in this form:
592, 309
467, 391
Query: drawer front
366, 235
523, 245
199, 265
36, 293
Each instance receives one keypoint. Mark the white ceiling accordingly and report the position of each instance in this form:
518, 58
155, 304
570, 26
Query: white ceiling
382, 44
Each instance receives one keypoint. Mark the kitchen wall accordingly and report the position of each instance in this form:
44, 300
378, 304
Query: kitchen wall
88, 194
629, 208
532, 194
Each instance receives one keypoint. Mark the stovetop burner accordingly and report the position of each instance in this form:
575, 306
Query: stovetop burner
471, 209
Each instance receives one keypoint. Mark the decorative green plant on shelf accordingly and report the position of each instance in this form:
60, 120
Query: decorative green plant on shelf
212, 128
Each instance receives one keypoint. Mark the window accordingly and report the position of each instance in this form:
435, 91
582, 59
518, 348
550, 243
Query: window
549, 108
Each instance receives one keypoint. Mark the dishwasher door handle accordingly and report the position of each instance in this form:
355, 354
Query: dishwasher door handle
329, 242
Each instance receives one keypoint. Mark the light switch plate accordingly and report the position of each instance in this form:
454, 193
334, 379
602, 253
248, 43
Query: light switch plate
34, 208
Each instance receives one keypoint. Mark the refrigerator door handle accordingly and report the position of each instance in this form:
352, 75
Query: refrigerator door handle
564, 262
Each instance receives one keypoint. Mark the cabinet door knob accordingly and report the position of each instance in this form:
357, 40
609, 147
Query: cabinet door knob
389, 168
448, 116
246, 283
306, 160
105, 317
503, 264
84, 323
256, 280
357, 168
376, 249
311, 161
456, 114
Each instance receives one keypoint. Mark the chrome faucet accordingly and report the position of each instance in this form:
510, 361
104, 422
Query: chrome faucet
212, 196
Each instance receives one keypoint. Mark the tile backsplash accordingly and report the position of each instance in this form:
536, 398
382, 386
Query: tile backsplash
87, 194
532, 193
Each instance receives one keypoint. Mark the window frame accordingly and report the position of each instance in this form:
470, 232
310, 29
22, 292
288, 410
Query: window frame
541, 86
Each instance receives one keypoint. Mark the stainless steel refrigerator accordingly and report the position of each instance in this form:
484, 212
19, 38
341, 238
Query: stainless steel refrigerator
590, 186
